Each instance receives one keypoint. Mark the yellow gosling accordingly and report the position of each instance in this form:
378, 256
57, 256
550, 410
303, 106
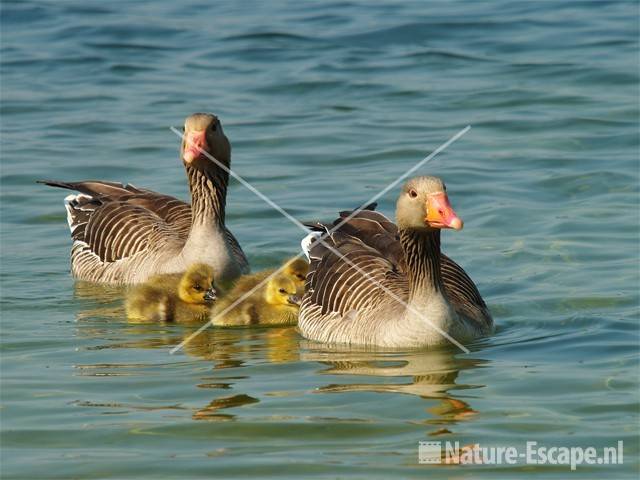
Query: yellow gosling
176, 297
296, 269
275, 303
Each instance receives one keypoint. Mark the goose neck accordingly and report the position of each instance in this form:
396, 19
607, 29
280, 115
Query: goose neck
208, 189
422, 257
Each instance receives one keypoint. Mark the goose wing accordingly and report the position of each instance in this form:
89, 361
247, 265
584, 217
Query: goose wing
463, 294
174, 213
236, 249
106, 231
375, 230
347, 275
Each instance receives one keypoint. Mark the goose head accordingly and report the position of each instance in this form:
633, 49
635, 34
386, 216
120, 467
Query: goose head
423, 204
203, 132
197, 285
281, 290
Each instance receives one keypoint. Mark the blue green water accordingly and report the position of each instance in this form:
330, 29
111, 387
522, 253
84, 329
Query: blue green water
325, 103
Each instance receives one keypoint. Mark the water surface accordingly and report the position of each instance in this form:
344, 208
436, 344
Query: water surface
325, 104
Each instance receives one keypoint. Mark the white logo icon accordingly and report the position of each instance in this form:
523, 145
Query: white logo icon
430, 452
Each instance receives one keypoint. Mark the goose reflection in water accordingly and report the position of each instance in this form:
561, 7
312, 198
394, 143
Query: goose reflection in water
99, 301
212, 411
430, 374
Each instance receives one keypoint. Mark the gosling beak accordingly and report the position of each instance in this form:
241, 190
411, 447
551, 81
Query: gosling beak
294, 300
440, 214
194, 143
210, 295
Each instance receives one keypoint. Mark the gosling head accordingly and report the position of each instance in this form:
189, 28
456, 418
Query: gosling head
281, 290
296, 269
423, 204
197, 285
203, 132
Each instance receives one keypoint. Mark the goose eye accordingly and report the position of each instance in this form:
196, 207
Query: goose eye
282, 290
197, 287
214, 126
413, 193
301, 277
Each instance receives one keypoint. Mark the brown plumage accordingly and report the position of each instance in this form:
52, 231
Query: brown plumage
408, 286
125, 234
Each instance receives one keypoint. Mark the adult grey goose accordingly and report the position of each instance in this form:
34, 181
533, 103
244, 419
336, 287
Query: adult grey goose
409, 286
125, 234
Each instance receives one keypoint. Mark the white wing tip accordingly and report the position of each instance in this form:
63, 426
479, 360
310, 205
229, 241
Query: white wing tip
69, 200
307, 242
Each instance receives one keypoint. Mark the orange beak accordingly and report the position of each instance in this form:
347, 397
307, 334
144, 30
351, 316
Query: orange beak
194, 143
440, 214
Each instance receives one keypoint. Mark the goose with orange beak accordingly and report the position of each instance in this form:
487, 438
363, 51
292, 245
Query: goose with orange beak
125, 234
376, 283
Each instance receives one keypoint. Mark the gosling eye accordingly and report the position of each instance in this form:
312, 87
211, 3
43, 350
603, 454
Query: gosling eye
301, 277
282, 290
197, 287
214, 126
413, 193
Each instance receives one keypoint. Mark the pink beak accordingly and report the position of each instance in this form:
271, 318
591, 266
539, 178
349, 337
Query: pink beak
440, 213
194, 144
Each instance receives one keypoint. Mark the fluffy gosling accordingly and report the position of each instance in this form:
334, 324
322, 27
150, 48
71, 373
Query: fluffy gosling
296, 269
274, 303
179, 297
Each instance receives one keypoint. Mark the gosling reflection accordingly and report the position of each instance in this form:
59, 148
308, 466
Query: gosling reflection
430, 374
96, 303
99, 301
228, 348
233, 349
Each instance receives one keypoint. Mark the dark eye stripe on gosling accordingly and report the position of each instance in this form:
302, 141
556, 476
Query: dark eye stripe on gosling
341, 305
125, 234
